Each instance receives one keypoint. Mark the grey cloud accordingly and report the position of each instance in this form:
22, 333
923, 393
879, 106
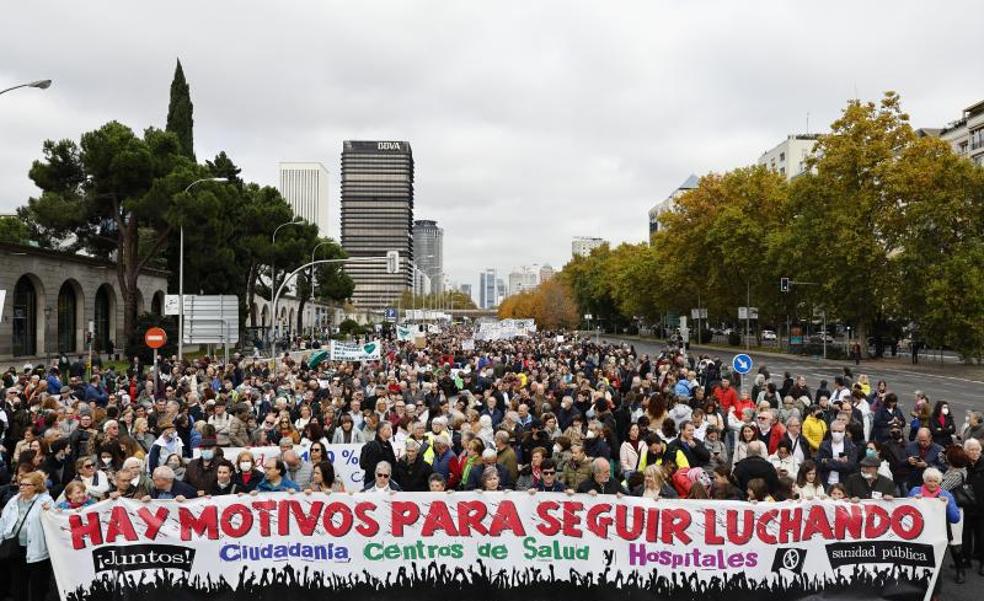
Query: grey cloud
530, 122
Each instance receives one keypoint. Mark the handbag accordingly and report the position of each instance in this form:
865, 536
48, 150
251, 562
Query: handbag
10, 547
964, 496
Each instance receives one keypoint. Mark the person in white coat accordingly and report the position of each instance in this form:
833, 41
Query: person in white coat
30, 567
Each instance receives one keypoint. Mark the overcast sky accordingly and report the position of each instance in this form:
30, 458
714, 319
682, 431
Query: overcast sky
530, 122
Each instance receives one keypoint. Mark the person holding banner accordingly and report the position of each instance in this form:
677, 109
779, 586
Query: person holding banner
275, 477
382, 482
23, 544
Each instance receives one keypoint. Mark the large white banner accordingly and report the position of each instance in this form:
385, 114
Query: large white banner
353, 351
343, 457
495, 545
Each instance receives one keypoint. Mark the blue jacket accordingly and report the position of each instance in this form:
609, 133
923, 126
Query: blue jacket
285, 485
99, 395
952, 511
442, 464
934, 458
883, 420
54, 384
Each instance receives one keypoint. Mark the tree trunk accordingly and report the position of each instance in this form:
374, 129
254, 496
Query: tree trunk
251, 293
300, 315
127, 269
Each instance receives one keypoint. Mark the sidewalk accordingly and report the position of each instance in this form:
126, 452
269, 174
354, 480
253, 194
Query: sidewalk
927, 364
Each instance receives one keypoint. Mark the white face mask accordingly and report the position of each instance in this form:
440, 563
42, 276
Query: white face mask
837, 436
945, 411
245, 466
107, 460
557, 448
135, 480
590, 434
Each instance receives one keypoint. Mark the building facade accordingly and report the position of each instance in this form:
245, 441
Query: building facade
53, 298
788, 158
428, 251
466, 289
526, 278
305, 188
966, 135
487, 295
546, 272
582, 245
668, 204
377, 216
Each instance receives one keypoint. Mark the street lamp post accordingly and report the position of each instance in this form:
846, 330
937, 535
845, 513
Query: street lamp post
47, 342
313, 251
181, 269
41, 84
273, 275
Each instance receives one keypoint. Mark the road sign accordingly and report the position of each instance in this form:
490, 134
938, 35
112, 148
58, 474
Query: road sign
172, 304
212, 319
587, 317
698, 313
390, 313
155, 338
742, 363
748, 312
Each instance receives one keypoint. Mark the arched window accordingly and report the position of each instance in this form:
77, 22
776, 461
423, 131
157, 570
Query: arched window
25, 322
103, 312
157, 303
67, 307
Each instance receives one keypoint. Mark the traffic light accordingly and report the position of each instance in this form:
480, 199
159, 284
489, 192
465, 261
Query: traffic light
392, 261
783, 284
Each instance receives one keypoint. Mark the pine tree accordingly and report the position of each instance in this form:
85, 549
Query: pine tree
179, 113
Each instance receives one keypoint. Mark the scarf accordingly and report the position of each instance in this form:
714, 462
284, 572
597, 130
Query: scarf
925, 492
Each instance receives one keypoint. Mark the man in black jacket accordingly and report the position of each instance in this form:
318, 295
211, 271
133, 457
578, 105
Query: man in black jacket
412, 472
868, 483
379, 449
601, 481
755, 465
167, 487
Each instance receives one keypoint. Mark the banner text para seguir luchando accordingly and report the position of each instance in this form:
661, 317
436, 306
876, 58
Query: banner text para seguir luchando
345, 535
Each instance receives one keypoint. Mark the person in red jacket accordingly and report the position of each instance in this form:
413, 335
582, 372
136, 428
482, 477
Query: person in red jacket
726, 396
770, 431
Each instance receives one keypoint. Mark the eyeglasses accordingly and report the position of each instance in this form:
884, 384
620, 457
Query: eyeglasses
548, 473
382, 475
88, 466
31, 484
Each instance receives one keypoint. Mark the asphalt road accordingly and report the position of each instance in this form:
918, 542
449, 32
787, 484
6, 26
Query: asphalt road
962, 393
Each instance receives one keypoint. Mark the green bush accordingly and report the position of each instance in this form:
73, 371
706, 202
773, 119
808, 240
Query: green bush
350, 327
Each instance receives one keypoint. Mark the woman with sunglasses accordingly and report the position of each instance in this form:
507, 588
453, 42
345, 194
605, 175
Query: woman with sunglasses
97, 482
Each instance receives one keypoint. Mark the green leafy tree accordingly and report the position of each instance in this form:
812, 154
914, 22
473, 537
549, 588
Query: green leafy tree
115, 195
180, 118
14, 230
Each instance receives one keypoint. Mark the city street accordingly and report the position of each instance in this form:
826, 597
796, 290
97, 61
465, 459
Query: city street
963, 393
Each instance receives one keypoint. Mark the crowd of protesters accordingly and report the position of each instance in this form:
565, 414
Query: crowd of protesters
541, 413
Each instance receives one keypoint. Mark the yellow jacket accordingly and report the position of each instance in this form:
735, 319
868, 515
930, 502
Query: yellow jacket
814, 429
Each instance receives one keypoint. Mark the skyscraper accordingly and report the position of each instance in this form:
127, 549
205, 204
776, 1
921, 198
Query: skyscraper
546, 272
466, 289
428, 249
377, 216
487, 298
305, 188
582, 245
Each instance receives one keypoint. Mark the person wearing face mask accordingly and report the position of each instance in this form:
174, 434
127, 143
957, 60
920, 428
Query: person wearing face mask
868, 483
837, 457
247, 476
168, 443
941, 424
201, 472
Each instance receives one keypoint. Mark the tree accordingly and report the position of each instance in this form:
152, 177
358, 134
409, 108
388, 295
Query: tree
13, 230
551, 305
180, 119
838, 232
114, 194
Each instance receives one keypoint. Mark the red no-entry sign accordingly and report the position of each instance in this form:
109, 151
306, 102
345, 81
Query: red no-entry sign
155, 338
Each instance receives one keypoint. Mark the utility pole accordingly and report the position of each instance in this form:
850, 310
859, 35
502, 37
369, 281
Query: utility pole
748, 313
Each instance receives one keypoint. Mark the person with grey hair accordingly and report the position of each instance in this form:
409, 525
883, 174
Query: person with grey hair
973, 426
973, 533
167, 487
411, 471
755, 465
601, 481
298, 470
382, 481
